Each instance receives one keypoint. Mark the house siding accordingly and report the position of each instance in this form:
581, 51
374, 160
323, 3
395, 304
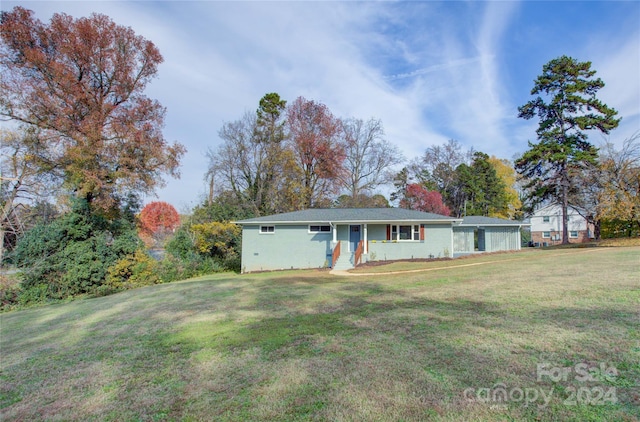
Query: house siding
554, 226
463, 240
490, 239
437, 244
290, 246
502, 239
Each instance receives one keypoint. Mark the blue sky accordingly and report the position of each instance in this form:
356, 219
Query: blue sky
431, 71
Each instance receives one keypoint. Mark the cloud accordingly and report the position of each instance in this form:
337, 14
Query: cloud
429, 70
619, 69
436, 67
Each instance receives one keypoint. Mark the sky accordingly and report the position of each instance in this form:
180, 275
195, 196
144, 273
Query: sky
430, 71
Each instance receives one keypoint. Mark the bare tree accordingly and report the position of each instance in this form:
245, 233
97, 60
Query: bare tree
369, 157
23, 177
252, 162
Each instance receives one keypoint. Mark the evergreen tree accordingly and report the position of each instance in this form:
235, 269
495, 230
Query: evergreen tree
569, 109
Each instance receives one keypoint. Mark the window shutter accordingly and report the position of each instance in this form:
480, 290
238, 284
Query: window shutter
421, 231
388, 231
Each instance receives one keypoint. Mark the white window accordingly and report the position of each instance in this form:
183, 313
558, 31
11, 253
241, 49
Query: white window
319, 229
545, 219
267, 229
546, 235
405, 232
573, 234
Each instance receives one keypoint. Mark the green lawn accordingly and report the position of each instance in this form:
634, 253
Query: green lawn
438, 344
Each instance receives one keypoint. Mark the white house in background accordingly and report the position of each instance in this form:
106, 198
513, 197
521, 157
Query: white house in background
546, 226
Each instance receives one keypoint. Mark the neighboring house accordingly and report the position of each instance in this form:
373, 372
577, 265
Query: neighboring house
546, 226
342, 238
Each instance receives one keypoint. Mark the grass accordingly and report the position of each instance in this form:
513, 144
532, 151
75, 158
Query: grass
433, 344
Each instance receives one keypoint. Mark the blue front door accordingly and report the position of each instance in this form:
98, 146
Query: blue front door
354, 237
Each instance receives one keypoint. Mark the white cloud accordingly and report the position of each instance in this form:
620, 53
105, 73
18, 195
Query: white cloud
619, 69
429, 70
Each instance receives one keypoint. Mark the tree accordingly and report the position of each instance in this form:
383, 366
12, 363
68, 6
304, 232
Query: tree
437, 171
253, 160
81, 82
571, 108
483, 192
507, 174
314, 138
223, 207
22, 181
158, 219
420, 199
361, 201
620, 178
368, 156
400, 181
609, 191
72, 254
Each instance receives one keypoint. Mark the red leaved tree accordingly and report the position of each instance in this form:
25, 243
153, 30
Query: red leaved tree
314, 134
81, 82
158, 219
420, 199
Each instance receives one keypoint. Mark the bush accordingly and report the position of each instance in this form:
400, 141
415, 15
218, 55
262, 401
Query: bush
9, 292
132, 271
202, 249
173, 269
181, 245
611, 229
70, 256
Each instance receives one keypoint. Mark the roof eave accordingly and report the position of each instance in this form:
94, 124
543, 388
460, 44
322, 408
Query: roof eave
252, 223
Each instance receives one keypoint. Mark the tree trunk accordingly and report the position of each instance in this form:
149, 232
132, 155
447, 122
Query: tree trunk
2, 231
565, 206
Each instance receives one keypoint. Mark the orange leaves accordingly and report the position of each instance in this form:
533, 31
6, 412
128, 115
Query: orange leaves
315, 134
81, 81
158, 218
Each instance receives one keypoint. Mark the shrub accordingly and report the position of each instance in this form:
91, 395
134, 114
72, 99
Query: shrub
202, 249
181, 244
9, 292
135, 270
216, 239
71, 255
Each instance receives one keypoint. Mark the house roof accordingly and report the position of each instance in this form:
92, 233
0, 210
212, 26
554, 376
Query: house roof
474, 220
350, 215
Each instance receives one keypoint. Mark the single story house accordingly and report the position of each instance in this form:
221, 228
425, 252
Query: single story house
486, 234
342, 238
546, 226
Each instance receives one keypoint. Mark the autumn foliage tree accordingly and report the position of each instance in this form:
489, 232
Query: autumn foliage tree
81, 82
507, 174
619, 198
315, 138
158, 218
418, 198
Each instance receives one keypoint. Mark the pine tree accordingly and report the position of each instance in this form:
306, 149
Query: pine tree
569, 109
